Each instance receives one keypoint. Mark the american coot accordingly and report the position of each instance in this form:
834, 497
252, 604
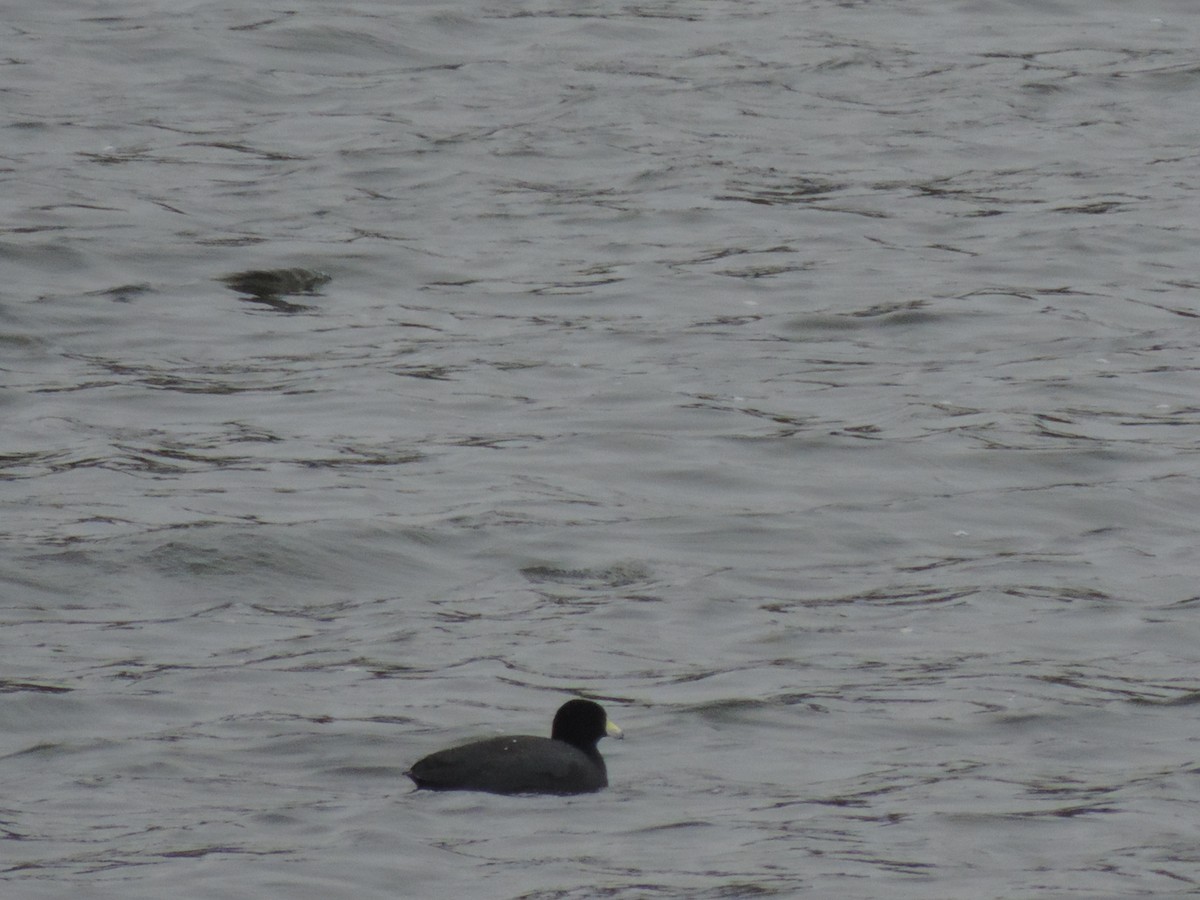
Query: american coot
567, 762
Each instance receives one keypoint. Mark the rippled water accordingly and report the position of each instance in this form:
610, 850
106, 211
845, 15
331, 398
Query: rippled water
812, 383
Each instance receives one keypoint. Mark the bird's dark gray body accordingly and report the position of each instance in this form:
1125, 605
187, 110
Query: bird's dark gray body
521, 764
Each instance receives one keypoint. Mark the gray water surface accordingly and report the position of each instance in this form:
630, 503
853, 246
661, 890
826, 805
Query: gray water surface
814, 384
